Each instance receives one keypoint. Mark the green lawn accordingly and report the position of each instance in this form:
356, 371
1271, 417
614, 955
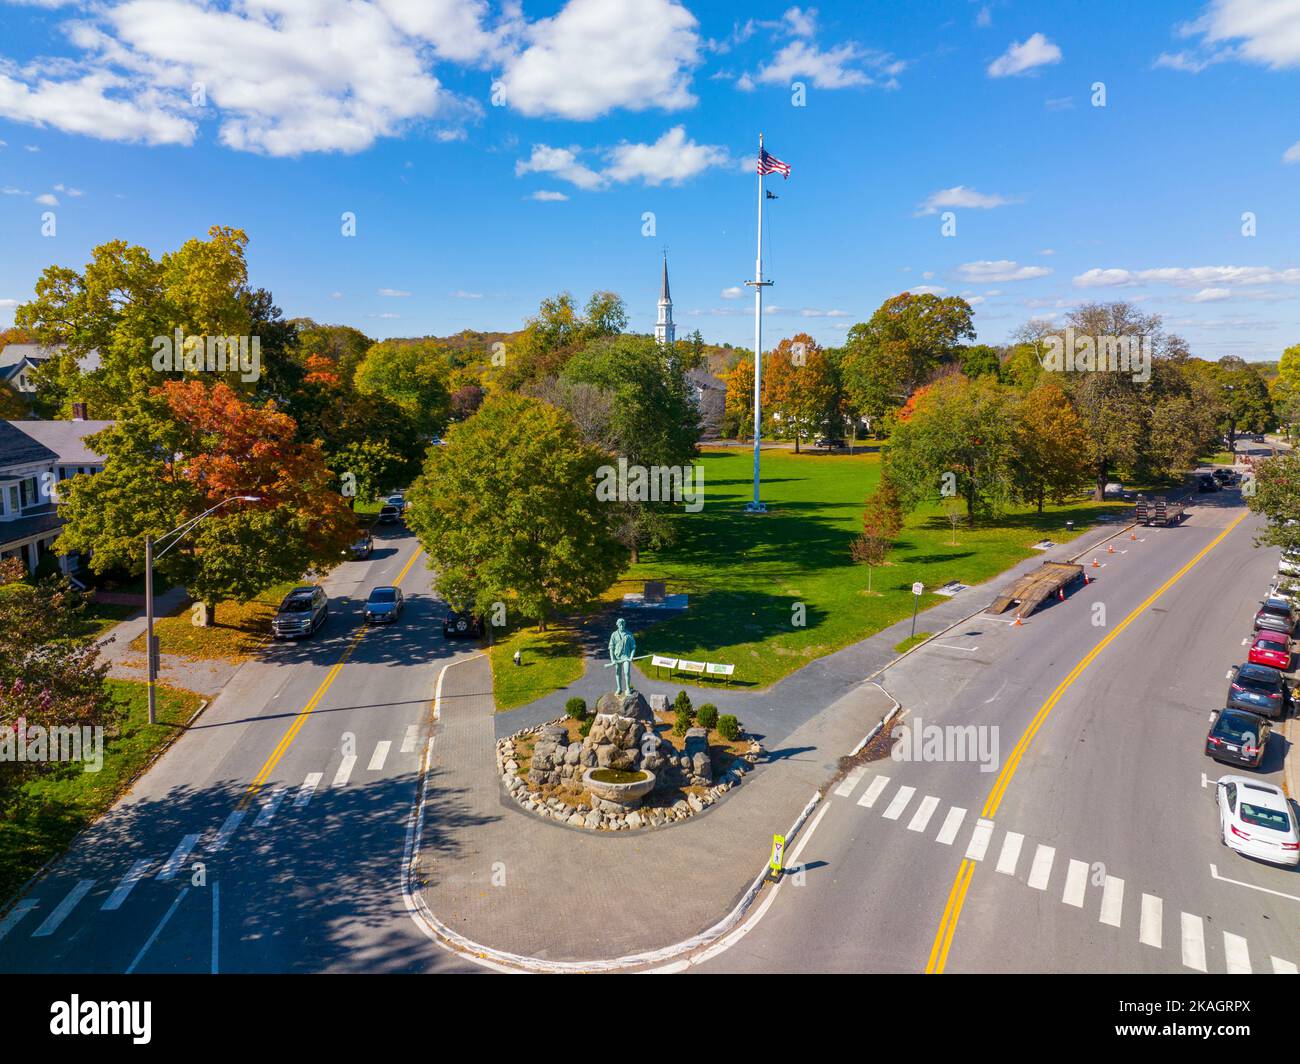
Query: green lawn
237, 629
52, 808
746, 575
550, 660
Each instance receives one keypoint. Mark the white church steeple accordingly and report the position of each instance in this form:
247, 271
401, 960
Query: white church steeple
665, 331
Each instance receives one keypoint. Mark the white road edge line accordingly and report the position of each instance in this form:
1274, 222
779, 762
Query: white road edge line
1237, 882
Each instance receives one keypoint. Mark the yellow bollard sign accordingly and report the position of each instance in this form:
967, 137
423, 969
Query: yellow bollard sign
778, 856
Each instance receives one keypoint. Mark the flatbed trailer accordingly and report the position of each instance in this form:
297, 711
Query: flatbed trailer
1159, 511
1031, 589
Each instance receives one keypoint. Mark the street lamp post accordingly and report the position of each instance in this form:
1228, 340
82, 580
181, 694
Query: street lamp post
151, 647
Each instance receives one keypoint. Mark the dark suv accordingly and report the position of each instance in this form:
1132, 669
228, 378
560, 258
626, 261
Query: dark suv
462, 625
1258, 689
1275, 614
1237, 737
303, 610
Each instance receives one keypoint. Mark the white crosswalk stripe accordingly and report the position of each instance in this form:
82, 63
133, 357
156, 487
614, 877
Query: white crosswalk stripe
344, 773
1237, 954
227, 829
62, 910
1112, 901
409, 740
137, 872
174, 862
873, 790
1041, 870
1076, 883
1152, 925
896, 807
923, 813
1280, 967
849, 782
979, 839
1010, 854
380, 755
951, 825
1193, 936
269, 806
25, 906
307, 789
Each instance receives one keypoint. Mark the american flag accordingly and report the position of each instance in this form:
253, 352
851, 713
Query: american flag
770, 164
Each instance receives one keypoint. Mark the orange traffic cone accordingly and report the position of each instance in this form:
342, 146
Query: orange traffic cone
1110, 549
1096, 564
1018, 624
1060, 593
1133, 536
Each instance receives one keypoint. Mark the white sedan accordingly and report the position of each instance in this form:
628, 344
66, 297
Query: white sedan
1255, 819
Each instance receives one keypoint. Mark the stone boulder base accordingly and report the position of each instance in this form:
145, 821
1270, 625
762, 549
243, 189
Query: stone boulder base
631, 705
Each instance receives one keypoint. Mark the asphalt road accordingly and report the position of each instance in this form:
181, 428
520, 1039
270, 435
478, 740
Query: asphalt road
300, 873
1099, 852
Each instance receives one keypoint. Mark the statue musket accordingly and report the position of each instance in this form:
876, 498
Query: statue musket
639, 657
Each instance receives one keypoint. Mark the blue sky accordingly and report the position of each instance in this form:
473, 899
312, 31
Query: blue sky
438, 122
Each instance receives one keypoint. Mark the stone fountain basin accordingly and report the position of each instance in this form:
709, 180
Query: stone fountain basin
619, 792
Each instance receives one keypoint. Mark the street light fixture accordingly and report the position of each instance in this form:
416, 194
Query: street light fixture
180, 532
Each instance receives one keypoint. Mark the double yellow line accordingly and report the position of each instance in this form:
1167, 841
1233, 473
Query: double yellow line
301, 717
957, 895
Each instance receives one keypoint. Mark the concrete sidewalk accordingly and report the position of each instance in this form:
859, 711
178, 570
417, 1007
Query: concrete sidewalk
205, 677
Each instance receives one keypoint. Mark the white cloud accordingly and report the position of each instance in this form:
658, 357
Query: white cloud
830, 69
12, 190
800, 23
598, 55
1266, 32
82, 105
394, 293
984, 19
671, 159
73, 192
998, 271
734, 292
460, 293
545, 195
960, 196
811, 312
1204, 277
559, 162
1024, 56
1210, 295
47, 199
454, 27
926, 290
745, 83
1292, 154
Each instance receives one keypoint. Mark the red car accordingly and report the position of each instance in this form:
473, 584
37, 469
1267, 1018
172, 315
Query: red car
1271, 648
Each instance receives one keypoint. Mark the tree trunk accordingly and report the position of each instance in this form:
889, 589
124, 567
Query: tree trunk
1040, 500
1103, 470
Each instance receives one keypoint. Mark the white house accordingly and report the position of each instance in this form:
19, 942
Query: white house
18, 360
35, 457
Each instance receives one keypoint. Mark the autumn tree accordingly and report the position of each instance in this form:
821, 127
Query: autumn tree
1051, 446
799, 387
882, 520
188, 446
507, 511
412, 375
738, 408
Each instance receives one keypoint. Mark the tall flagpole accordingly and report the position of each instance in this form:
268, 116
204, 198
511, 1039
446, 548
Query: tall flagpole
757, 507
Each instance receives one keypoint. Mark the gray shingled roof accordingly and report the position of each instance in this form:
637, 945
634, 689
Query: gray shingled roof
48, 441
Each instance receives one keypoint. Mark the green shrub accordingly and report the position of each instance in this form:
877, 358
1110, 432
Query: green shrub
707, 716
682, 704
576, 708
729, 727
584, 729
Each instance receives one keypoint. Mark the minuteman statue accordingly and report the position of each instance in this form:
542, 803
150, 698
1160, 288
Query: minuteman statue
622, 649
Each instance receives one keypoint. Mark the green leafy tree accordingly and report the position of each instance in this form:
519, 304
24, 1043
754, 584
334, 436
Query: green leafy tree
887, 357
412, 375
507, 512
959, 442
1276, 494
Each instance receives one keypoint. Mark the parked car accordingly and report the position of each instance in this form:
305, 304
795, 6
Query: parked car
1205, 483
1258, 689
384, 605
462, 624
1238, 737
398, 500
363, 546
829, 443
1223, 476
1275, 614
303, 611
389, 514
1271, 648
1255, 819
